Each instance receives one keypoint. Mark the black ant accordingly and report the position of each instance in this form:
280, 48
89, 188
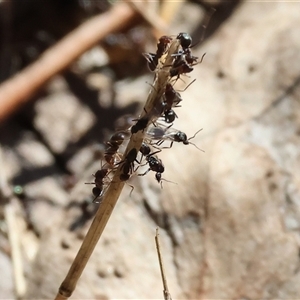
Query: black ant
161, 49
172, 98
99, 183
184, 59
114, 143
171, 134
186, 44
141, 124
155, 165
128, 164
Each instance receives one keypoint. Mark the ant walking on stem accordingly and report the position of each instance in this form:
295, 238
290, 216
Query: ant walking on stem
155, 164
127, 167
162, 45
114, 143
100, 181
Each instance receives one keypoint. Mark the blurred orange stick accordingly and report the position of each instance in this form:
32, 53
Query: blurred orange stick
18, 89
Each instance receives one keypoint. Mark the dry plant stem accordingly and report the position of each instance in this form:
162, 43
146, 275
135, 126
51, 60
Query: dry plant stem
17, 90
113, 192
167, 295
12, 230
16, 253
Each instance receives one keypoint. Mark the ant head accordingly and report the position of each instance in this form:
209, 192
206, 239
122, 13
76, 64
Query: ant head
185, 39
158, 177
181, 137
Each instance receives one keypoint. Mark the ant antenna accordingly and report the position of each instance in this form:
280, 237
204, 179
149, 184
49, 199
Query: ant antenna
188, 140
181, 91
163, 179
201, 60
206, 21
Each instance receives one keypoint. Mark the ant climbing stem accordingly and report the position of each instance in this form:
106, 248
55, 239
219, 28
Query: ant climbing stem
127, 166
155, 164
152, 58
184, 60
99, 183
114, 143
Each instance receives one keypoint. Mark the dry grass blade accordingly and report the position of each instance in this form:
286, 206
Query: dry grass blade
16, 252
114, 190
12, 229
167, 295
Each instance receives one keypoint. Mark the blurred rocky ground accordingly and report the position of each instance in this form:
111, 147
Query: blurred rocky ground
229, 227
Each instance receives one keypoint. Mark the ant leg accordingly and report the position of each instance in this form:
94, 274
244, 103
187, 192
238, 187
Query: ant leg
134, 170
169, 146
159, 142
151, 154
155, 146
187, 86
132, 188
201, 59
145, 172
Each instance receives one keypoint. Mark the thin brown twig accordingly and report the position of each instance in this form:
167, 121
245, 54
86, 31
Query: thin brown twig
167, 295
113, 192
17, 90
